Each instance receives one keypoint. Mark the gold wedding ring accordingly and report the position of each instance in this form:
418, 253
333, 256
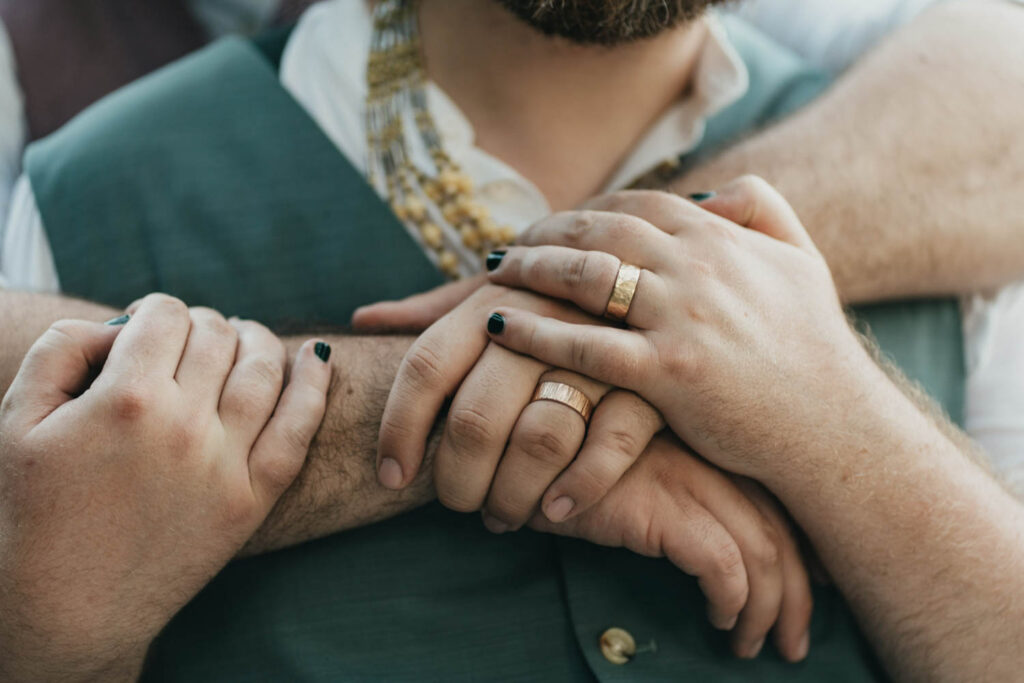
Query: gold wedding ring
566, 395
623, 293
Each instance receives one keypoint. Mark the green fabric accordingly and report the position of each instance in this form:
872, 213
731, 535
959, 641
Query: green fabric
208, 181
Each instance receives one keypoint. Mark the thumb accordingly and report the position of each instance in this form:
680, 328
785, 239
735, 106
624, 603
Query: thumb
418, 312
752, 203
60, 366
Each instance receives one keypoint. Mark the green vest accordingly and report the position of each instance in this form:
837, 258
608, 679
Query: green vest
206, 180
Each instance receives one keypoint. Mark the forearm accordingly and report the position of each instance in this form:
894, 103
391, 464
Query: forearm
907, 173
926, 546
337, 488
24, 317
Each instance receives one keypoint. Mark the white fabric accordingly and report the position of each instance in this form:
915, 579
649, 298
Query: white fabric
12, 123
324, 68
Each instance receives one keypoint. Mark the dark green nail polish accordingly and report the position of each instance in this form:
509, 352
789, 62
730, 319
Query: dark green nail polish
701, 196
120, 320
494, 259
496, 323
322, 351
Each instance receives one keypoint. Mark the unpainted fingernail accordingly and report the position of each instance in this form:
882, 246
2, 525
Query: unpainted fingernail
496, 323
560, 508
754, 650
494, 525
804, 647
390, 473
723, 623
119, 320
322, 351
701, 196
494, 258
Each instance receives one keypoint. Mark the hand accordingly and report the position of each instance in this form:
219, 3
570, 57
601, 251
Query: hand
499, 452
736, 335
121, 496
725, 530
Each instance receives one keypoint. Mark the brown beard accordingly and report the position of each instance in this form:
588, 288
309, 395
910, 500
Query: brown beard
606, 22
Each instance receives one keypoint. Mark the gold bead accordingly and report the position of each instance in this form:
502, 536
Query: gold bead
452, 213
399, 211
415, 209
507, 234
434, 191
431, 234
448, 262
470, 236
617, 645
478, 212
489, 231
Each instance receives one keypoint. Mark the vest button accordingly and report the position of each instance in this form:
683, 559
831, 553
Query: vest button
618, 645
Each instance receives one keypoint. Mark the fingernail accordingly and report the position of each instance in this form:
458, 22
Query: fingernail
494, 525
494, 259
701, 196
120, 320
560, 509
322, 351
390, 473
496, 323
755, 649
722, 623
804, 647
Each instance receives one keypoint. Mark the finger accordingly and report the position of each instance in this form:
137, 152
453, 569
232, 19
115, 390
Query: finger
666, 211
622, 426
759, 546
253, 385
430, 372
417, 312
207, 359
153, 342
631, 239
702, 547
614, 356
585, 278
792, 629
480, 421
58, 367
545, 440
753, 203
281, 449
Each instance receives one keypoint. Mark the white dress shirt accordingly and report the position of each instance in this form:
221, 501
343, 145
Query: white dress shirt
324, 68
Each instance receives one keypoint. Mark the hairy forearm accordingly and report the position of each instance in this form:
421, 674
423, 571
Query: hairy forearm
926, 546
337, 488
907, 173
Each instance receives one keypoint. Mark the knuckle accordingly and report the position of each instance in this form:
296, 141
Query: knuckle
580, 223
167, 304
764, 553
130, 402
296, 436
621, 443
266, 370
457, 498
545, 444
424, 366
470, 427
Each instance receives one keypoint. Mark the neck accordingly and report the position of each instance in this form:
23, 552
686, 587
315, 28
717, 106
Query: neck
563, 115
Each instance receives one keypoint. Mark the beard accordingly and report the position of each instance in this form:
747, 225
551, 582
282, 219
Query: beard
606, 22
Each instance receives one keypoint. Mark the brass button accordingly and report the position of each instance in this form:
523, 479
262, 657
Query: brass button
617, 645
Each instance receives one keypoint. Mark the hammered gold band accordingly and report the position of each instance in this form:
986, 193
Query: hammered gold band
566, 395
623, 292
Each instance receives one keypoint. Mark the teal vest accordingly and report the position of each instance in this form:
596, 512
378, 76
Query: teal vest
206, 180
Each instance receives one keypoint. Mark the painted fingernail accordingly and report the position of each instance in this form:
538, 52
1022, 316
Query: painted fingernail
701, 196
119, 320
494, 525
390, 473
494, 259
322, 351
560, 509
804, 647
496, 323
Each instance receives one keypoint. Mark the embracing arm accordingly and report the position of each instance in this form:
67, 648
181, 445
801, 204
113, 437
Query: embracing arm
907, 172
337, 488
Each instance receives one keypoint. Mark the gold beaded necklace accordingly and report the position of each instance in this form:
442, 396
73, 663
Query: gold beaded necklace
436, 205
